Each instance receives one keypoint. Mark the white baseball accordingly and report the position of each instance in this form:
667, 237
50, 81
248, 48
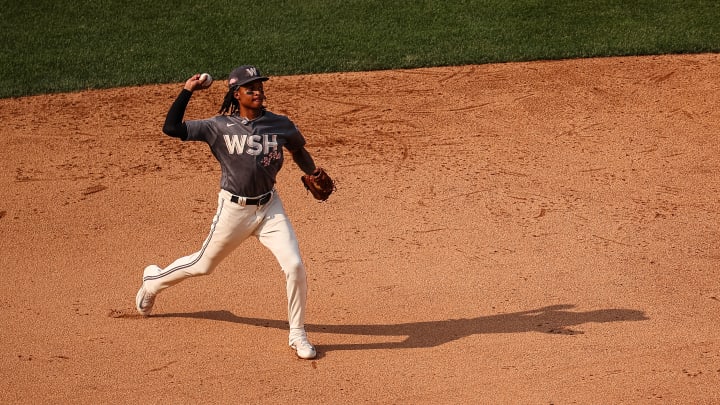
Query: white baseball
206, 80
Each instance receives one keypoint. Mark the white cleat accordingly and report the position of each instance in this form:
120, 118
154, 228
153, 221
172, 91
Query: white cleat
144, 300
303, 348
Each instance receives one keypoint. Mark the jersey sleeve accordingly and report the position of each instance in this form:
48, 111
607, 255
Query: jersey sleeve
295, 139
201, 130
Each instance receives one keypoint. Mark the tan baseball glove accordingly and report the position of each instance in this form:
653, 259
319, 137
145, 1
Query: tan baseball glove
319, 184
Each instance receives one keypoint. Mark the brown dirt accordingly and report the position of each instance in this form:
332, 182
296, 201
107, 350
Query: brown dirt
515, 233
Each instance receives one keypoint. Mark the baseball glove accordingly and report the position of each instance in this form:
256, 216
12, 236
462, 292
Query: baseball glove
319, 184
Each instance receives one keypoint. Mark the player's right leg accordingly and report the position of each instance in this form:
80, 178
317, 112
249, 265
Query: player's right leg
231, 225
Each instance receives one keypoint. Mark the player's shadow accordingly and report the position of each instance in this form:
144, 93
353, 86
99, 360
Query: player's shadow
555, 319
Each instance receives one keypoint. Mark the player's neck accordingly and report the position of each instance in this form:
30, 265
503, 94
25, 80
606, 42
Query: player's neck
250, 113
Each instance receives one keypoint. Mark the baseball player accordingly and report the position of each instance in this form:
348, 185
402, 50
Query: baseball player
248, 142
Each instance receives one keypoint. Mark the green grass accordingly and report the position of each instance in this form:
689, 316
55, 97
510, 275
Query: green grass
56, 46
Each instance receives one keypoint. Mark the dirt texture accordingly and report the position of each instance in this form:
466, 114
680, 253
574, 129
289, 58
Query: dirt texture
541, 232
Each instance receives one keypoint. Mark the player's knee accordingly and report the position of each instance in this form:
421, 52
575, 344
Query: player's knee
294, 270
201, 270
204, 271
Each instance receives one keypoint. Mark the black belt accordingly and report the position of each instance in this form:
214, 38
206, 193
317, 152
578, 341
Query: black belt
262, 200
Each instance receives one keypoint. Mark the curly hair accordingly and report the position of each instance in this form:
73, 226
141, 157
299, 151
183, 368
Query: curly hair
230, 104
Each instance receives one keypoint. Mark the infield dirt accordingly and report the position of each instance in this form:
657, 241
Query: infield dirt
542, 232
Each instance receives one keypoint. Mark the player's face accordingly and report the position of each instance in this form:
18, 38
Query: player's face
252, 95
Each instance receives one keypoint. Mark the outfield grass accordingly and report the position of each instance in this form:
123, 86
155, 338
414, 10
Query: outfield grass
56, 46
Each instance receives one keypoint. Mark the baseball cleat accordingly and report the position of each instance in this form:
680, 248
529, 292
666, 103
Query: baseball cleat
144, 301
303, 348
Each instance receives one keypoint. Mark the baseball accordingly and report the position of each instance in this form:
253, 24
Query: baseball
206, 80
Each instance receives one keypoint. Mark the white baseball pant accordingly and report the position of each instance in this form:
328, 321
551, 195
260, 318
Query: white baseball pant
232, 224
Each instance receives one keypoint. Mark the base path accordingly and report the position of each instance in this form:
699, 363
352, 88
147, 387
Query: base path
544, 232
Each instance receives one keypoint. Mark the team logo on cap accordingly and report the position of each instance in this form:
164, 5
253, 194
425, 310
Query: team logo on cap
245, 74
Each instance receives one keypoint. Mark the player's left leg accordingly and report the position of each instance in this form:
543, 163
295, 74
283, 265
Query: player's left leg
277, 234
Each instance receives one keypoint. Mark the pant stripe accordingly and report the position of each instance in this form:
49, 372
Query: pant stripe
197, 259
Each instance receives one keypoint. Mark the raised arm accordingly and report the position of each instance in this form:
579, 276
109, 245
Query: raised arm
174, 125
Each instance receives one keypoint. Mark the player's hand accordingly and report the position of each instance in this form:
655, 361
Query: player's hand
194, 83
